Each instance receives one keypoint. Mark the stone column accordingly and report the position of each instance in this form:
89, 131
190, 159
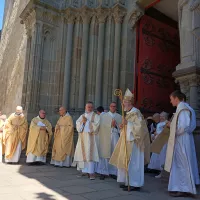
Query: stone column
101, 14
108, 62
86, 16
194, 82
68, 59
26, 69
36, 63
118, 13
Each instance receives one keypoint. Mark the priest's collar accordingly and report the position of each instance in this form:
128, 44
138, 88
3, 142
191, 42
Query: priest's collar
112, 112
18, 114
41, 117
180, 105
132, 109
129, 110
88, 112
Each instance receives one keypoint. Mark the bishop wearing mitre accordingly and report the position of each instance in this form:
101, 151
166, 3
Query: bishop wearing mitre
132, 151
63, 146
86, 153
40, 134
14, 135
109, 133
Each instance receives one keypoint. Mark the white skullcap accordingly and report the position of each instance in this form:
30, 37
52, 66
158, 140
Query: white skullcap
19, 108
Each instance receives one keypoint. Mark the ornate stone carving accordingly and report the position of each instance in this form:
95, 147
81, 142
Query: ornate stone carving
184, 85
194, 80
28, 19
118, 13
86, 14
102, 14
122, 2
76, 3
106, 3
134, 17
91, 3
70, 15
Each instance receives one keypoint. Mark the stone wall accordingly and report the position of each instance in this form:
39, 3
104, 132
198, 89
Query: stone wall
12, 56
77, 52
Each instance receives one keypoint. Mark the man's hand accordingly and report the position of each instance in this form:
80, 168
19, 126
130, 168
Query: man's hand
168, 124
84, 119
124, 122
43, 128
113, 123
57, 128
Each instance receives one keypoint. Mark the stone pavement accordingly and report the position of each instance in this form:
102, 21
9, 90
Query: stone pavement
22, 182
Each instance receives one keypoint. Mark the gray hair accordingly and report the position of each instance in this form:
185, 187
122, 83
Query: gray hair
164, 114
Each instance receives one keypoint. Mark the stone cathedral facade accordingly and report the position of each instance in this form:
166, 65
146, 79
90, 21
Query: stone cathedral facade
68, 52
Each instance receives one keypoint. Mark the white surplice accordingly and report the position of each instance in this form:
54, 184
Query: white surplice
182, 175
88, 140
136, 163
66, 163
103, 167
158, 160
32, 158
17, 154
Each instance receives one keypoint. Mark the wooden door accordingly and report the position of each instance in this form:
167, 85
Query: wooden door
158, 54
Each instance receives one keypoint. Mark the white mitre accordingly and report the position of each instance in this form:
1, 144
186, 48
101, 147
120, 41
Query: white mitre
129, 96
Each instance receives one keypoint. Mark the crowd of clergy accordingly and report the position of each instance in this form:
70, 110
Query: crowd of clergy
110, 144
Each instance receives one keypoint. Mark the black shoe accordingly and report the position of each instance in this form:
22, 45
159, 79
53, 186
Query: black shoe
123, 186
113, 176
132, 189
102, 177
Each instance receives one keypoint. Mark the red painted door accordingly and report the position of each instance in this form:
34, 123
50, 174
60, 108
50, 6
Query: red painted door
158, 52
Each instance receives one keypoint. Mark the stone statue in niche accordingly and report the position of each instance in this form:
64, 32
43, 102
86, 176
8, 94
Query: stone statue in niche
189, 26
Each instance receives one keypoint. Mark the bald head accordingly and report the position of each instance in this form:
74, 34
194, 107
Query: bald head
42, 114
62, 111
19, 110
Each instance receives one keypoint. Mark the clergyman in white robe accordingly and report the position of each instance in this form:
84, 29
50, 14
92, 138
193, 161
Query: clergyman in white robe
86, 153
181, 156
108, 138
192, 128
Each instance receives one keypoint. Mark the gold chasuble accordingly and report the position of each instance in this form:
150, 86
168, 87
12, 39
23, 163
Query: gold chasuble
38, 139
2, 123
63, 139
105, 131
141, 139
15, 130
171, 141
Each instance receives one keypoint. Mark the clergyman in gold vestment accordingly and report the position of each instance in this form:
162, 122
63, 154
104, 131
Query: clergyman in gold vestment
136, 141
40, 134
63, 146
14, 135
